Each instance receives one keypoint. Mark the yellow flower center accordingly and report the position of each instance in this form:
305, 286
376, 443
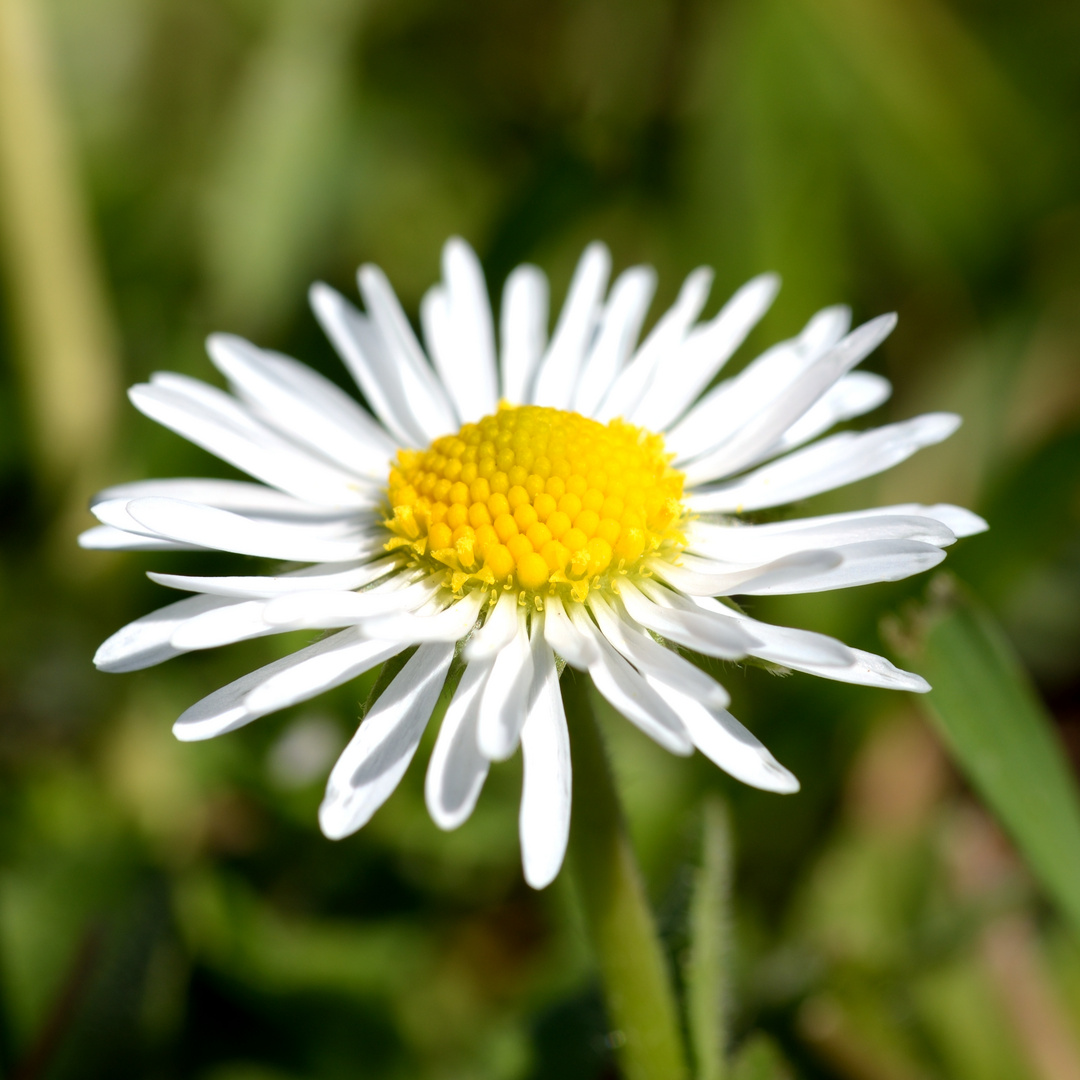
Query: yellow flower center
537, 498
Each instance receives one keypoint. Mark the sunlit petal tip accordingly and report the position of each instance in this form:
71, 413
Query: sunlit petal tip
766, 285
940, 425
321, 296
190, 731
885, 323
102, 658
219, 344
961, 521
457, 247
331, 822
786, 782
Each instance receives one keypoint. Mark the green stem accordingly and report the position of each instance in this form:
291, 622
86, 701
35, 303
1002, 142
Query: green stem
637, 983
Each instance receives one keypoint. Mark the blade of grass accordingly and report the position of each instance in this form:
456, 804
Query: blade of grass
61, 312
1000, 735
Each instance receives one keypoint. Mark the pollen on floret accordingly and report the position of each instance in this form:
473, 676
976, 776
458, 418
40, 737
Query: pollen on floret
533, 498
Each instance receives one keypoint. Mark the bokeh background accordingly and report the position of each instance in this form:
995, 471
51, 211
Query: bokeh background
173, 167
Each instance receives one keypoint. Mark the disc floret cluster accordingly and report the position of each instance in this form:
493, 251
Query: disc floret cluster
538, 499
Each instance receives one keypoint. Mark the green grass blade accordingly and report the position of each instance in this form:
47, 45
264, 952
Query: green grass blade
1001, 736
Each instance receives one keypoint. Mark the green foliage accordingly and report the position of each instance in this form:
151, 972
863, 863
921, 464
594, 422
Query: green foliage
1000, 735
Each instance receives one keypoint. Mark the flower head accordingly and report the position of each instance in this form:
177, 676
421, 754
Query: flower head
578, 500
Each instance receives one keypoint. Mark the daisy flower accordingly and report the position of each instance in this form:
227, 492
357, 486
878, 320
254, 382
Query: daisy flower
510, 502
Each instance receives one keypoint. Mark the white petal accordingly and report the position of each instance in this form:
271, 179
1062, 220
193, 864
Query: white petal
825, 329
146, 641
631, 385
825, 465
855, 394
812, 570
791, 647
424, 395
816, 654
442, 344
497, 632
762, 543
657, 663
223, 626
959, 521
725, 742
523, 330
870, 670
106, 538
558, 371
114, 513
544, 822
704, 577
865, 669
505, 699
450, 624
191, 523
620, 326
302, 404
285, 682
723, 409
375, 760
706, 349
626, 689
354, 528
763, 427
457, 769
331, 576
218, 423
328, 610
956, 521
252, 500
475, 390
860, 564
711, 635
368, 357
294, 611
561, 634
777, 643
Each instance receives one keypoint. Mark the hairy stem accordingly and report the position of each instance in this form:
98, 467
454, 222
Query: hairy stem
638, 990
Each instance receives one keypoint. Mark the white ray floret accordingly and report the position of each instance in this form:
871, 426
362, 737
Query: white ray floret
373, 763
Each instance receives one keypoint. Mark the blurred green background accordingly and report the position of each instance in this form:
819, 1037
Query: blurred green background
173, 167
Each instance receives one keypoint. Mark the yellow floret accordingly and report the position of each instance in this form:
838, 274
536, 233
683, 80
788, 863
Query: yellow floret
538, 499
439, 535
505, 526
544, 505
499, 561
533, 572
558, 523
